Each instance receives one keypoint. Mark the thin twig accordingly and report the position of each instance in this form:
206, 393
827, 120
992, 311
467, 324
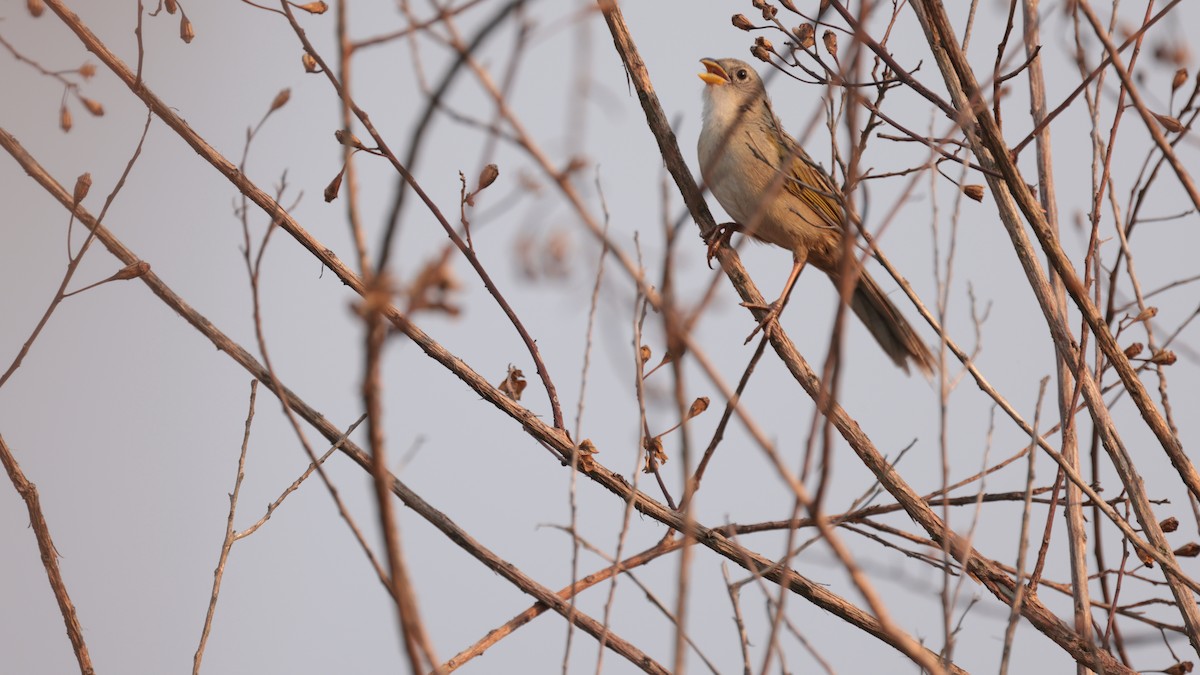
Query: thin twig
230, 534
41, 531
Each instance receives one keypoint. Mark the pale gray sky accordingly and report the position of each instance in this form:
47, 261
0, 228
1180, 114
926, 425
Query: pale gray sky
130, 423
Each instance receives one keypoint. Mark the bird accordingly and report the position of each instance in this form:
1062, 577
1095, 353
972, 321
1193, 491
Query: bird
779, 195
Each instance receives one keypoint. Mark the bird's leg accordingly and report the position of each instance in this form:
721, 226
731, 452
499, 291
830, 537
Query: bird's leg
769, 323
719, 236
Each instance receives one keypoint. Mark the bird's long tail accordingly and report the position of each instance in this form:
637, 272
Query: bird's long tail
889, 326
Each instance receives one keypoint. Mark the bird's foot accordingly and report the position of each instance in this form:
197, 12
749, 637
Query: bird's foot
719, 236
769, 324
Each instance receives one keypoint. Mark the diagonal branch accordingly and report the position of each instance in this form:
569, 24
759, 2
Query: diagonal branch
986, 571
1152, 125
1014, 200
553, 439
41, 531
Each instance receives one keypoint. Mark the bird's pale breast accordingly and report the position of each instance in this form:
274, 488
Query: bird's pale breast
743, 177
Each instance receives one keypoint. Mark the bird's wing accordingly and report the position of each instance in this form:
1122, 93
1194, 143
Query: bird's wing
810, 184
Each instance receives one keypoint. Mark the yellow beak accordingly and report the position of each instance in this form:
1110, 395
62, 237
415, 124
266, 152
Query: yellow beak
715, 74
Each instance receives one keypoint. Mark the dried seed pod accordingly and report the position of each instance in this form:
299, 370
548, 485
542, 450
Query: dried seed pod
1181, 76
132, 271
1164, 357
769, 12
310, 64
35, 7
787, 4
87, 70
654, 453
171, 6
314, 7
82, 185
585, 451
1133, 350
974, 192
1181, 668
514, 383
348, 139
1144, 557
1146, 314
698, 406
281, 100
741, 22
762, 49
806, 35
644, 353
488, 176
1169, 123
64, 118
830, 39
335, 186
1188, 550
1170, 524
187, 32
93, 107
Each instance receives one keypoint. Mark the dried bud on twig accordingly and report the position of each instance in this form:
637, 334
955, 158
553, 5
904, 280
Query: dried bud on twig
1146, 314
486, 177
64, 118
87, 71
314, 7
644, 353
1179, 79
1188, 550
1171, 52
377, 295
132, 271
281, 100
1170, 524
433, 287
762, 49
585, 451
93, 107
1133, 350
974, 192
787, 4
348, 139
310, 64
82, 185
1144, 557
1169, 123
186, 30
35, 7
806, 35
171, 6
654, 454
1181, 668
1164, 357
698, 406
335, 186
830, 39
769, 12
741, 22
514, 383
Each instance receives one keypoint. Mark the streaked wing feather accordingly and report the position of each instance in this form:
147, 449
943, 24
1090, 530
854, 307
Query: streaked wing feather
812, 186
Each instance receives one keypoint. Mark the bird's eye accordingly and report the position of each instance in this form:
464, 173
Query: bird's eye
741, 74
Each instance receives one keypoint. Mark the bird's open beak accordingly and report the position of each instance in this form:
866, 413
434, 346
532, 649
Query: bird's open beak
715, 74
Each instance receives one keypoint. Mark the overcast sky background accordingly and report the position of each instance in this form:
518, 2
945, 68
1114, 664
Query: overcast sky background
130, 423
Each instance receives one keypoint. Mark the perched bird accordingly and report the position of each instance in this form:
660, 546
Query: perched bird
779, 195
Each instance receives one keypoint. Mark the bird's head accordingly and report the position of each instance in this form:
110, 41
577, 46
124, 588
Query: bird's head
730, 84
